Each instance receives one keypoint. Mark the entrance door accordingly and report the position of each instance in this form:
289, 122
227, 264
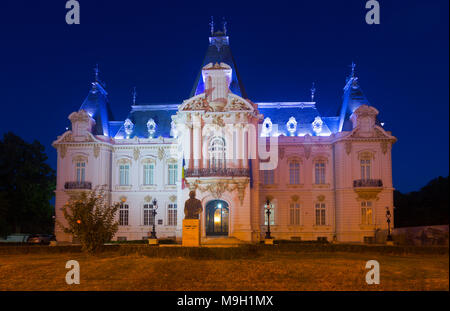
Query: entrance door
217, 218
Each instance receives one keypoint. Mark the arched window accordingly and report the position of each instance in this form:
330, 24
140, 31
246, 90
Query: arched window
217, 153
320, 214
149, 173
124, 174
366, 213
319, 173
149, 219
294, 172
80, 167
123, 214
294, 213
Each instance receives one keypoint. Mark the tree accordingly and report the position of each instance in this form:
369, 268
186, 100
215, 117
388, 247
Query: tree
426, 207
91, 218
27, 185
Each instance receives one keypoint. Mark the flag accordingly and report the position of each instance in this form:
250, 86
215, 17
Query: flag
183, 179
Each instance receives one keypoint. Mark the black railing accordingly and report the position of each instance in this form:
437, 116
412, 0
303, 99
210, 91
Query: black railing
213, 172
78, 185
367, 183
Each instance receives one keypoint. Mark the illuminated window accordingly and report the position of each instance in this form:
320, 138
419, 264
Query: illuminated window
272, 214
124, 174
149, 219
217, 153
294, 214
172, 215
319, 172
80, 171
173, 173
149, 173
294, 173
366, 213
365, 169
123, 215
320, 214
267, 177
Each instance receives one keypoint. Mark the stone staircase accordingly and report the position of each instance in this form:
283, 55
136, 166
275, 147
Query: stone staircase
222, 241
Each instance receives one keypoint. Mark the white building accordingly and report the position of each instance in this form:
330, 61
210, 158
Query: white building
325, 177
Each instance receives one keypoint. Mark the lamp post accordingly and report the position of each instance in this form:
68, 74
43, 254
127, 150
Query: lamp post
155, 207
388, 219
268, 212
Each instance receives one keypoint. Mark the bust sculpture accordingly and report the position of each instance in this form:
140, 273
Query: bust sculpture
192, 207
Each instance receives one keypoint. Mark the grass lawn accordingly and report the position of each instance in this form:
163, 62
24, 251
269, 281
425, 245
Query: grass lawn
287, 271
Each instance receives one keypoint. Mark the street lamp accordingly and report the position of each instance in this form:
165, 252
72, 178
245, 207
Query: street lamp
268, 212
155, 207
388, 219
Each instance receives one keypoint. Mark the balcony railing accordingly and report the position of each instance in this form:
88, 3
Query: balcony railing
78, 185
217, 172
367, 183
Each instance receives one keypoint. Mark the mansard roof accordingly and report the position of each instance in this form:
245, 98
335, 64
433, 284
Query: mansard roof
305, 113
139, 115
97, 106
219, 52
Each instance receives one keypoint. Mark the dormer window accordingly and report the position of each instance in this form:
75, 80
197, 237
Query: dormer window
266, 127
128, 126
151, 127
291, 126
317, 125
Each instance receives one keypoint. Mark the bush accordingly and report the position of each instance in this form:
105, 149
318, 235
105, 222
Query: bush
91, 218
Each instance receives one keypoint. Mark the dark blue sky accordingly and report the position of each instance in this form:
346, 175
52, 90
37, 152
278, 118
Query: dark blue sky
46, 66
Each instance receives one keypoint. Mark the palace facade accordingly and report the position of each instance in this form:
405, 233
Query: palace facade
322, 177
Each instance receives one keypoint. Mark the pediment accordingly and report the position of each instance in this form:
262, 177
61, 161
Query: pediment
200, 103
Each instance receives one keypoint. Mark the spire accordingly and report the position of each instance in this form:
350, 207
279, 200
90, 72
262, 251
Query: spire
211, 25
353, 65
219, 52
96, 72
134, 96
313, 91
224, 23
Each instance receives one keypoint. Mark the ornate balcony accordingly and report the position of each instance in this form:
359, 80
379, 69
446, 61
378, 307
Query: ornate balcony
78, 185
367, 183
217, 172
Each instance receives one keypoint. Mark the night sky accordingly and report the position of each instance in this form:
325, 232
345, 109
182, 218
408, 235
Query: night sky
280, 48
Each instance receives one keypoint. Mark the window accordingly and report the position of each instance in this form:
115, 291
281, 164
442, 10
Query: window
149, 219
294, 213
123, 214
366, 213
267, 177
173, 173
365, 169
294, 173
320, 214
149, 173
217, 153
124, 174
320, 172
272, 214
172, 215
80, 171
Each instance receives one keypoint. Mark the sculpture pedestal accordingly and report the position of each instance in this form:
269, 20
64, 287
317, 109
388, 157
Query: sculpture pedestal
191, 233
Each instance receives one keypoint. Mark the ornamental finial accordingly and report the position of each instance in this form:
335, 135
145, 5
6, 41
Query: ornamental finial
134, 96
313, 91
211, 24
224, 23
